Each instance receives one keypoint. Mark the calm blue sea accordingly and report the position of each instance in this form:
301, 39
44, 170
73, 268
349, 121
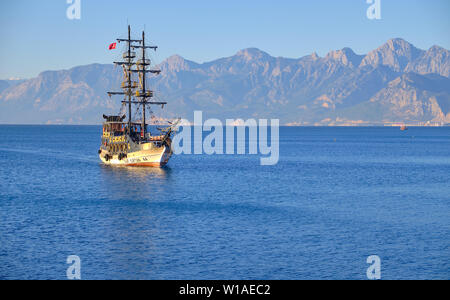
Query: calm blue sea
337, 196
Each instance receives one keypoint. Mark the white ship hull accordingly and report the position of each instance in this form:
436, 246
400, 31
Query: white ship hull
156, 157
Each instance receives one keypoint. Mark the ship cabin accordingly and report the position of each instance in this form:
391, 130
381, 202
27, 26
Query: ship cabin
115, 132
114, 127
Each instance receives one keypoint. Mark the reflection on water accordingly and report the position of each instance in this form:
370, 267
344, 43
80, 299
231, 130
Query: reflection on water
136, 173
134, 183
128, 224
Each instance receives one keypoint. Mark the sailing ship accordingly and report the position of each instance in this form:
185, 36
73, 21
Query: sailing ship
130, 143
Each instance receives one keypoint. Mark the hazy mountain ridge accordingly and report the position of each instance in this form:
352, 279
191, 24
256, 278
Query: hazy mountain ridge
4, 84
395, 83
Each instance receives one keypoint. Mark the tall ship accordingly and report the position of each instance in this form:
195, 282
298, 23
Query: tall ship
129, 142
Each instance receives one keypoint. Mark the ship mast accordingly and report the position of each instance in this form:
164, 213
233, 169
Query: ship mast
128, 85
129, 58
144, 94
144, 128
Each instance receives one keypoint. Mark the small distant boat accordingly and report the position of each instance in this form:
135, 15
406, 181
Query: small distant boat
403, 128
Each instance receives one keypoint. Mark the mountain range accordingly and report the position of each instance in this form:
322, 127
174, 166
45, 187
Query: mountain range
395, 83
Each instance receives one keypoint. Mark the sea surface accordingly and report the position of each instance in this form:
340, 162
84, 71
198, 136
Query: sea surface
337, 196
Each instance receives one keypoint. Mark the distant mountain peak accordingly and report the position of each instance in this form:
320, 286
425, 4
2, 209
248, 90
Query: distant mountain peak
315, 56
397, 43
437, 49
395, 53
346, 56
252, 54
176, 63
435, 60
175, 59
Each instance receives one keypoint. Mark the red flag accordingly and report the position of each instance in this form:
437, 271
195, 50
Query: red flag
112, 46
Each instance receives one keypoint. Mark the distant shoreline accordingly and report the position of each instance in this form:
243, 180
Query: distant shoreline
284, 126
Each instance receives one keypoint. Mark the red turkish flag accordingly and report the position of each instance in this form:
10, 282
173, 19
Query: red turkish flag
112, 46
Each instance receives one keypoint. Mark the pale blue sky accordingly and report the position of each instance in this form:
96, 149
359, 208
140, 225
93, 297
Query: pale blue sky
37, 36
